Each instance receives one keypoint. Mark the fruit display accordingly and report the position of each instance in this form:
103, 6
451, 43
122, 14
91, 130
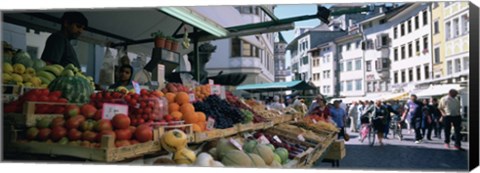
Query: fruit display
38, 95
224, 114
293, 147
320, 125
18, 74
174, 87
202, 92
233, 100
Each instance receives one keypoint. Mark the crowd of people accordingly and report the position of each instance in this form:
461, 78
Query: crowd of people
421, 117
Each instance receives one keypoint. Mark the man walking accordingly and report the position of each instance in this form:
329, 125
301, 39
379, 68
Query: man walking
449, 107
353, 114
388, 118
413, 114
437, 125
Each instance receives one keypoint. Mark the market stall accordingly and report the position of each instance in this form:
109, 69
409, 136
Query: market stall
56, 110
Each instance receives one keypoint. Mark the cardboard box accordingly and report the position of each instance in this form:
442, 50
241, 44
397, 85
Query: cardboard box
336, 151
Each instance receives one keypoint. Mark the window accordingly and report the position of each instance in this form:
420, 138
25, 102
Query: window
349, 85
417, 25
236, 47
425, 18
417, 46
410, 75
436, 28
465, 63
349, 66
436, 55
341, 86
395, 33
465, 24
402, 29
395, 54
305, 60
458, 65
409, 26
447, 30
425, 43
358, 85
426, 71
246, 49
357, 44
358, 64
410, 49
403, 51
341, 67
395, 77
369, 65
348, 46
449, 67
403, 76
340, 48
419, 73
384, 39
456, 28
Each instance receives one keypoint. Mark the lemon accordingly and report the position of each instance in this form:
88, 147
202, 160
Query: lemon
7, 68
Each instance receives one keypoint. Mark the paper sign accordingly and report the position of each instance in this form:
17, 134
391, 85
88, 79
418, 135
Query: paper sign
161, 75
263, 140
246, 135
222, 93
110, 110
191, 97
277, 139
296, 119
210, 123
136, 86
301, 138
314, 121
236, 144
210, 81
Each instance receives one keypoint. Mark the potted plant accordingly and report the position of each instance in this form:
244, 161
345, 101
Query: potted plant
168, 43
159, 39
174, 45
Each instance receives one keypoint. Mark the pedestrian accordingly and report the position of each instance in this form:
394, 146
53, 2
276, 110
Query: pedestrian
379, 115
449, 107
320, 108
413, 116
390, 110
368, 109
427, 120
360, 107
353, 115
437, 125
276, 104
339, 117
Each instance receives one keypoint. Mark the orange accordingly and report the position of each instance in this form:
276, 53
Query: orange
201, 117
177, 115
202, 126
172, 107
182, 98
186, 108
170, 97
196, 128
190, 117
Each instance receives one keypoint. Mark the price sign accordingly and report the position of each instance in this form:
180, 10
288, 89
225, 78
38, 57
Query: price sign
222, 93
296, 119
110, 110
263, 140
210, 81
210, 123
301, 138
277, 139
236, 144
136, 86
314, 121
191, 96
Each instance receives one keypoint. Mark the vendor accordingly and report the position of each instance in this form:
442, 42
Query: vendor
58, 49
125, 78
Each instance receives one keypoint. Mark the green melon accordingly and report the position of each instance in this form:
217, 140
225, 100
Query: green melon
283, 153
23, 57
249, 146
257, 160
223, 147
74, 89
237, 158
265, 152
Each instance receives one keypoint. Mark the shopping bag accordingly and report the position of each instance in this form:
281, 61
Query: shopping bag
346, 136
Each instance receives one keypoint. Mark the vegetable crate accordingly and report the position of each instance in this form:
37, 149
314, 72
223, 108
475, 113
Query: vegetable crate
106, 152
269, 124
187, 128
244, 127
287, 118
258, 126
214, 134
30, 114
336, 151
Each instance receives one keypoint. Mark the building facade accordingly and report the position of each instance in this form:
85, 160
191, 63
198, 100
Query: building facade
280, 50
351, 65
323, 68
438, 39
457, 39
411, 42
252, 56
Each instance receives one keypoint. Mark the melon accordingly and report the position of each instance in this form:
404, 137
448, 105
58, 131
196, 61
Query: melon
249, 146
265, 152
75, 89
204, 160
174, 140
277, 158
237, 158
184, 156
276, 164
22, 57
38, 64
257, 160
283, 153
213, 153
223, 147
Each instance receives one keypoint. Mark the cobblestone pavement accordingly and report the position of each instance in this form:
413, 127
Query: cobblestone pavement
401, 155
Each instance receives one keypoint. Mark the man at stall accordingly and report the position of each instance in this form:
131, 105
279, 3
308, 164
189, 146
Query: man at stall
339, 117
58, 49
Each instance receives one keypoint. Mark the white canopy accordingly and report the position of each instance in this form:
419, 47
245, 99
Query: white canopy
439, 90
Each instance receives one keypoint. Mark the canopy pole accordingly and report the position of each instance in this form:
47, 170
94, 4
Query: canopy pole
195, 56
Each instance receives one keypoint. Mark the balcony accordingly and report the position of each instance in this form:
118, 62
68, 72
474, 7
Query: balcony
383, 64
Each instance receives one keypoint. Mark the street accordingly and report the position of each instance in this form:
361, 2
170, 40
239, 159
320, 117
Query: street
401, 155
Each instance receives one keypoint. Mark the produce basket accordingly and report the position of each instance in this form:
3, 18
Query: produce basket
106, 152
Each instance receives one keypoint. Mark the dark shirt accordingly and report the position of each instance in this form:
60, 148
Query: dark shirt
58, 50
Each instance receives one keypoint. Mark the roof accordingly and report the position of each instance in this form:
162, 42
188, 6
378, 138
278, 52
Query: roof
281, 39
317, 37
277, 86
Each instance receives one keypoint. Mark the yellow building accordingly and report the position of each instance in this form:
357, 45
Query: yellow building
438, 39
457, 27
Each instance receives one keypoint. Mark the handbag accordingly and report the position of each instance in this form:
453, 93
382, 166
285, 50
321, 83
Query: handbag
346, 136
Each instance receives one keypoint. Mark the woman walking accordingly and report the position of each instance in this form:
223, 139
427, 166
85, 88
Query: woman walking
379, 119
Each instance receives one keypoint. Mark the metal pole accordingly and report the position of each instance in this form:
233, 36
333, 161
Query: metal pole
195, 56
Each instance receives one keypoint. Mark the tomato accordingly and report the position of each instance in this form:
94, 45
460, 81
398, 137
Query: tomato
143, 133
74, 134
122, 143
148, 110
100, 135
56, 94
88, 125
123, 134
121, 121
89, 136
103, 124
59, 121
44, 134
58, 133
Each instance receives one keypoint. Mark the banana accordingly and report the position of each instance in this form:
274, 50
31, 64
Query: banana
59, 67
52, 69
67, 73
46, 75
44, 80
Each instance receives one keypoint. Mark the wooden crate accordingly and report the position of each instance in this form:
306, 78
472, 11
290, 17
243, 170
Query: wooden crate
214, 134
258, 126
336, 151
287, 118
30, 116
12, 90
269, 124
301, 160
106, 153
244, 127
187, 128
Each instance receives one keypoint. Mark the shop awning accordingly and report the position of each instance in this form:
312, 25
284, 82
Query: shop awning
348, 100
438, 90
395, 96
277, 86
